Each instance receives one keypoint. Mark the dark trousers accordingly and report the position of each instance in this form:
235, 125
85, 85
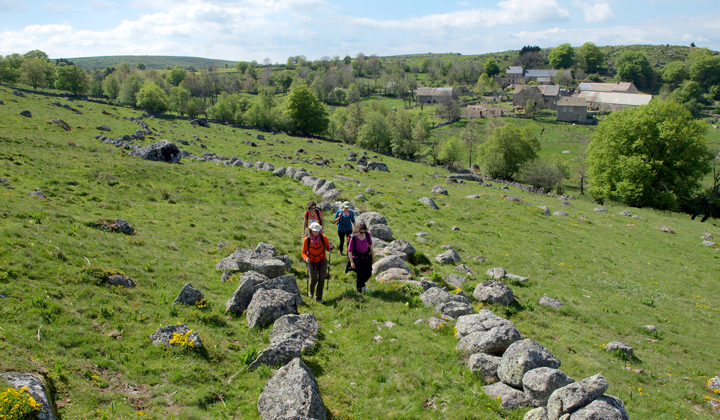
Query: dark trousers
342, 236
363, 270
317, 271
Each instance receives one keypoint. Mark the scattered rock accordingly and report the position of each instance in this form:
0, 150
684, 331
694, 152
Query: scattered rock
462, 268
120, 280
26, 114
104, 128
605, 407
381, 232
578, 394
545, 210
394, 274
454, 309
708, 243
496, 272
189, 295
515, 277
550, 302
619, 346
650, 328
171, 335
448, 257
402, 246
285, 283
486, 365
38, 388
480, 259
290, 336
386, 263
599, 209
513, 199
565, 203
455, 228
120, 225
540, 383
37, 193
371, 218
434, 296
436, 323
625, 213
241, 298
509, 397
163, 151
493, 291
456, 281
429, 202
439, 190
485, 332
560, 213
665, 229
292, 392
268, 305
714, 384
521, 357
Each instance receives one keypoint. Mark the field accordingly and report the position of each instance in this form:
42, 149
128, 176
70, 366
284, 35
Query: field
614, 274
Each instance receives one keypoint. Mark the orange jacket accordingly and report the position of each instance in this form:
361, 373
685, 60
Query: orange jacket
316, 253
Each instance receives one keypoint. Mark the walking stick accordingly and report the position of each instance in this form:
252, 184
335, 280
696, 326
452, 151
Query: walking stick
327, 285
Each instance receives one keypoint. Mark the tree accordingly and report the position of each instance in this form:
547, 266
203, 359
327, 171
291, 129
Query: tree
33, 71
306, 111
8, 73
141, 66
230, 108
375, 133
450, 152
449, 110
471, 137
176, 76
128, 90
562, 56
562, 79
111, 86
179, 99
36, 54
71, 78
590, 57
491, 67
353, 94
152, 98
675, 73
507, 148
633, 66
486, 84
706, 71
654, 155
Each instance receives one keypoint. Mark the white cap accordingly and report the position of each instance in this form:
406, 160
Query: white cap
315, 226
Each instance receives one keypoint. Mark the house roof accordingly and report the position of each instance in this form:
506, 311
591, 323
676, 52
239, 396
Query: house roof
443, 91
514, 70
631, 99
623, 87
546, 73
573, 101
546, 90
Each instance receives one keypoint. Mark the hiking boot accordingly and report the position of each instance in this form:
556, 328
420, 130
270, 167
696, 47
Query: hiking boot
364, 289
320, 301
310, 295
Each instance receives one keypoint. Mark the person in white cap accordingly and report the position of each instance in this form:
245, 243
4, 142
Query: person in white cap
313, 253
345, 220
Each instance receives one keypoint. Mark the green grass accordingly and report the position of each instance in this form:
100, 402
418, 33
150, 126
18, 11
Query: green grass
614, 275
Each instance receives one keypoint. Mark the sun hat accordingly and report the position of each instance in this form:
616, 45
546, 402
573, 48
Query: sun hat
315, 226
346, 204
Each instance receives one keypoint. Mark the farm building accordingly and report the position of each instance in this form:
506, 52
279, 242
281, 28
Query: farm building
603, 101
516, 74
546, 96
624, 87
572, 110
428, 95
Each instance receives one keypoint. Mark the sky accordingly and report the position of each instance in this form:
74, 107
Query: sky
277, 29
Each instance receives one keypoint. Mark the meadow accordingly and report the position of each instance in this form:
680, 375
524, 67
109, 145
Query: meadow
613, 273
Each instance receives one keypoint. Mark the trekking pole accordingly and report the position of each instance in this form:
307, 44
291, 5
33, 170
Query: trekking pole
327, 286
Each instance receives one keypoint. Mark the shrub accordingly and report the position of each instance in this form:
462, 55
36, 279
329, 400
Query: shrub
98, 275
18, 404
546, 174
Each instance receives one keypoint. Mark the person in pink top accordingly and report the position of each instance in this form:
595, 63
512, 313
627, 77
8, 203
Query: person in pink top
360, 253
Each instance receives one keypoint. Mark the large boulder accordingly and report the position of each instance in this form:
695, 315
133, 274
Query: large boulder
178, 334
381, 232
429, 202
550, 302
371, 218
496, 273
539, 413
394, 274
436, 189
377, 166
306, 324
163, 151
523, 356
454, 309
189, 295
265, 251
448, 257
268, 305
540, 383
578, 394
434, 296
290, 172
386, 263
456, 281
241, 298
400, 245
310, 181
37, 387
300, 175
291, 334
486, 365
493, 291
279, 171
328, 186
485, 333
619, 347
606, 407
509, 397
291, 392
286, 283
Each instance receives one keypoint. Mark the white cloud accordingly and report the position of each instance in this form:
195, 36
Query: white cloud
509, 12
596, 12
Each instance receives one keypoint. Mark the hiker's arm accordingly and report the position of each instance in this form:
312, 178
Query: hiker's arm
305, 249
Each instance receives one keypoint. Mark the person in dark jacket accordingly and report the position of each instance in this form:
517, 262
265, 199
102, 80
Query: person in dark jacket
360, 252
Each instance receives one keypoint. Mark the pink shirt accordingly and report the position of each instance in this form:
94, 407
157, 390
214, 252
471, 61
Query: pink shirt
358, 245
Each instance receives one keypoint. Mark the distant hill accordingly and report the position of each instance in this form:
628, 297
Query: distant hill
158, 62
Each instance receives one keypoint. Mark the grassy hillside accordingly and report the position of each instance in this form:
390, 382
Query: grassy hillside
614, 274
158, 62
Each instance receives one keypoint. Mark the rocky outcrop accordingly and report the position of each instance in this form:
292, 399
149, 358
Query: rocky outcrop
292, 392
268, 305
163, 151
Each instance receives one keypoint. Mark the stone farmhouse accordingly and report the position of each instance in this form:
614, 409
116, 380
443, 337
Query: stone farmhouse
517, 74
572, 110
623, 87
483, 111
545, 96
427, 95
610, 101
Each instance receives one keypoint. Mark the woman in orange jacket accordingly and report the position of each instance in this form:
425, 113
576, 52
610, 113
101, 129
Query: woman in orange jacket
313, 253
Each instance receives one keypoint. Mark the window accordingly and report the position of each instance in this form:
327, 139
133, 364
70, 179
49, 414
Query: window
564, 109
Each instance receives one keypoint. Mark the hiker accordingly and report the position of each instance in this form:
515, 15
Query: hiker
313, 253
313, 215
345, 220
360, 252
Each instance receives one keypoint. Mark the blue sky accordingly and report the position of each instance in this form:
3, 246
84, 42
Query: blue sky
276, 29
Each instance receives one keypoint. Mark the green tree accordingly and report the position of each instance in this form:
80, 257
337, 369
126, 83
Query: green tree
179, 99
111, 86
129, 89
353, 93
633, 66
230, 108
675, 73
471, 138
152, 98
71, 78
375, 133
562, 56
706, 71
241, 66
507, 148
485, 85
451, 152
33, 72
306, 111
8, 73
590, 57
654, 155
491, 67
449, 110
141, 66
176, 76
36, 54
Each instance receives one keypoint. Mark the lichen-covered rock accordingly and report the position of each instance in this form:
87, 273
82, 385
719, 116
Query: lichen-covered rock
289, 172
462, 268
400, 245
485, 365
381, 231
456, 281
163, 151
436, 323
523, 356
561, 213
268, 305
429, 202
448, 257
241, 298
371, 218
545, 210
271, 268
256, 277
436, 189
578, 394
493, 291
484, 320
550, 302
291, 334
120, 225
265, 251
394, 274
435, 296
279, 171
386, 263
291, 392
606, 407
120, 280
286, 283
307, 324
536, 414
540, 383
454, 309
37, 387
496, 272
619, 346
492, 341
189, 295
176, 335
510, 397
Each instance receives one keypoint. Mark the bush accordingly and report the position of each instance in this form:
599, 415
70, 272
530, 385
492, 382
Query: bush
98, 275
508, 147
546, 174
18, 404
